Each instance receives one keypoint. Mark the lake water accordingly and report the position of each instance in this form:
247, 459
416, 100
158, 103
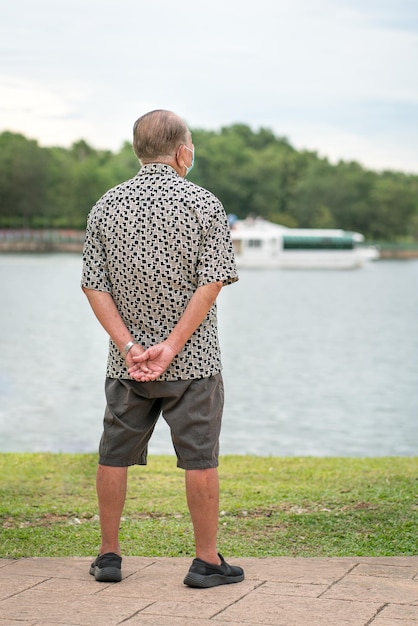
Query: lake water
321, 363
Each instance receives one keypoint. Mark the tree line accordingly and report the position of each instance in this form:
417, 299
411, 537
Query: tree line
251, 172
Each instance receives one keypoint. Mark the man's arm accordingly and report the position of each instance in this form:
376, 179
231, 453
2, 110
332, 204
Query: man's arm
157, 358
108, 315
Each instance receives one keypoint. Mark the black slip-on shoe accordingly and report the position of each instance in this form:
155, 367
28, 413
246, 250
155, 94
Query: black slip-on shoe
106, 568
202, 574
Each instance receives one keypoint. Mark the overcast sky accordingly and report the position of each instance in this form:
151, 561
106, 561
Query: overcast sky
337, 77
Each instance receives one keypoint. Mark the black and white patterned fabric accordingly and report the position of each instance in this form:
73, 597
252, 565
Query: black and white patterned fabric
150, 242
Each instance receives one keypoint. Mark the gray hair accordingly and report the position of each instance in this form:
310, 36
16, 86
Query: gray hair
158, 134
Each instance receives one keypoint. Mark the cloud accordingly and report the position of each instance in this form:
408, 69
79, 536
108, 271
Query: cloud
38, 111
337, 76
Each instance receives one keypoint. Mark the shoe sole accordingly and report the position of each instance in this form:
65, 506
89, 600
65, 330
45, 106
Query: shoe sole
106, 574
213, 580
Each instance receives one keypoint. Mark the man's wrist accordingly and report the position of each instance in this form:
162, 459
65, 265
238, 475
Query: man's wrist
126, 349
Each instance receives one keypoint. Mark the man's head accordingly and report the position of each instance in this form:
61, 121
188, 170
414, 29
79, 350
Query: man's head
163, 137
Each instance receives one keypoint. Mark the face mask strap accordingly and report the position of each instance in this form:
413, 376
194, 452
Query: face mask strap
188, 169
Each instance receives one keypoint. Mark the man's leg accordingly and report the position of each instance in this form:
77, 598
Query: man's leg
111, 491
202, 490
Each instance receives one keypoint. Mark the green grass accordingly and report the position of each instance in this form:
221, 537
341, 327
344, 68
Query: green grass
269, 507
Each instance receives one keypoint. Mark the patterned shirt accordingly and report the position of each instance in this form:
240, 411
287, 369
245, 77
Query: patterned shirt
151, 242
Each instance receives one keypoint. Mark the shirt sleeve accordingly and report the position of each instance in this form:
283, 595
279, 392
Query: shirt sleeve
95, 274
216, 259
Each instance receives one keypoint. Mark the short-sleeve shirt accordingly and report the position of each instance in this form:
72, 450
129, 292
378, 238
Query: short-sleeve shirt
151, 242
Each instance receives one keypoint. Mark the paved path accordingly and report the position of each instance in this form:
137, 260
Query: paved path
276, 591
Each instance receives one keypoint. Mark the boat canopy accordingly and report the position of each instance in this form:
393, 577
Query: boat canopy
318, 242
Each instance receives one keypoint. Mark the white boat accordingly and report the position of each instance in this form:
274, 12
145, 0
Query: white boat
262, 244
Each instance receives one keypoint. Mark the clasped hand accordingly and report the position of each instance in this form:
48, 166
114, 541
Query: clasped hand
151, 363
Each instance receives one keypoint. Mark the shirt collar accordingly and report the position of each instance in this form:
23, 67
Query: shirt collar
157, 168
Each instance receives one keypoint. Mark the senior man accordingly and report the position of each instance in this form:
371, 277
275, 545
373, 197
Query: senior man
156, 255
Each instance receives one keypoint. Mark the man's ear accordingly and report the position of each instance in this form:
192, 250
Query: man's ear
179, 156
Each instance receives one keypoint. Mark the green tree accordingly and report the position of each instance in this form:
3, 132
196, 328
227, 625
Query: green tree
393, 207
252, 172
23, 176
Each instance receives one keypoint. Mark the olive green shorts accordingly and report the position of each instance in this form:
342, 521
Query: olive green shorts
192, 409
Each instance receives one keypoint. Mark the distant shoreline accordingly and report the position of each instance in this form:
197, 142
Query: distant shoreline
70, 240
398, 253
26, 247
41, 240
39, 248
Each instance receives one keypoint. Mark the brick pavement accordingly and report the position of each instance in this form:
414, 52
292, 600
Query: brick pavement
352, 591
